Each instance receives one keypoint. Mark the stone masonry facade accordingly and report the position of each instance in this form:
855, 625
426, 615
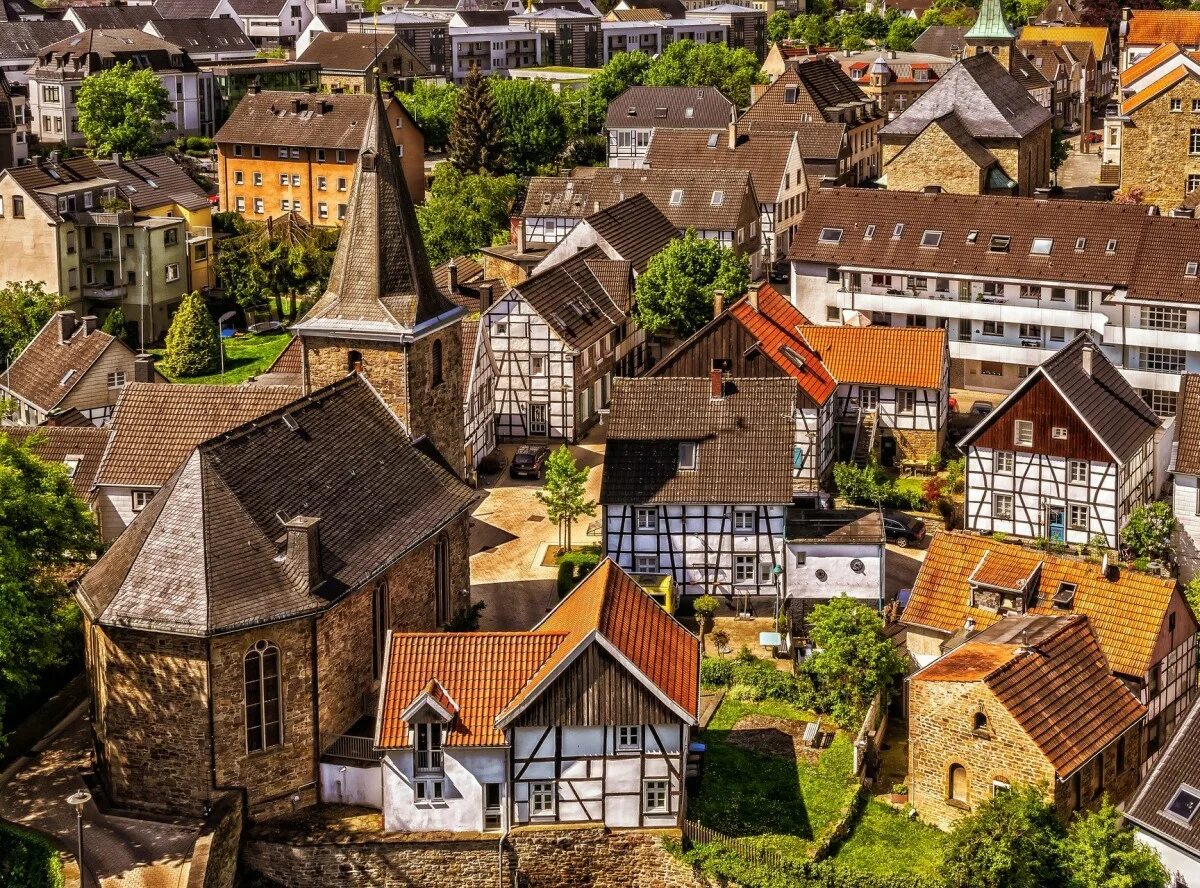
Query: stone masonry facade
918, 445
1156, 150
932, 158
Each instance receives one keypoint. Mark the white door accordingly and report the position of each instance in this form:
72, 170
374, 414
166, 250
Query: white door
538, 423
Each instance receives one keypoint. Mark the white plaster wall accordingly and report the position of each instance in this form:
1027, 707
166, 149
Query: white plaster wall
1186, 503
834, 559
1178, 863
346, 785
465, 770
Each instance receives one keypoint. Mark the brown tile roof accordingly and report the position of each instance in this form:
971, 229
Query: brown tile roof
1178, 768
40, 175
357, 53
47, 370
776, 324
908, 357
100, 49
1187, 434
491, 675
1052, 677
149, 182
155, 427
691, 107
1026, 73
202, 557
269, 118
291, 359
468, 270
823, 92
1126, 612
763, 154
580, 298
748, 427
635, 229
1156, 26
634, 15
57, 443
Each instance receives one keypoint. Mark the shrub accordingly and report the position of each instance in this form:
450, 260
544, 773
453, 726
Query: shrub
704, 607
28, 860
715, 672
955, 472
1148, 532
192, 343
869, 486
573, 567
466, 619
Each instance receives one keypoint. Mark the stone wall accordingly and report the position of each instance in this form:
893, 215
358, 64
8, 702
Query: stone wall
1155, 146
214, 860
918, 445
932, 158
345, 673
540, 858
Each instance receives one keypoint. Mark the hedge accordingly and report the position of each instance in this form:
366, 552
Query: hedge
754, 679
573, 567
720, 863
28, 860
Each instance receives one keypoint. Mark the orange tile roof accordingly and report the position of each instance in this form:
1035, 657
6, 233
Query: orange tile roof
1154, 90
1149, 26
1127, 613
1148, 63
489, 675
1097, 36
1057, 686
775, 325
1003, 573
908, 357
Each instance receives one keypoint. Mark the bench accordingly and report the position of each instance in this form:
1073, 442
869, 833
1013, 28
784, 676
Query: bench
811, 732
915, 467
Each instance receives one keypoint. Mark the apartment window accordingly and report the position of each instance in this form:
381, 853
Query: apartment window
239, 178
906, 400
116, 380
1176, 104
1, 206
537, 365
1031, 331
323, 211
283, 156
1083, 300
295, 181
264, 723
687, 455
258, 205
1193, 182
51, 94
341, 185
170, 237
1058, 334
1030, 291
1162, 403
745, 568
1077, 517
341, 212
1165, 360
993, 328
1023, 433
541, 798
743, 520
1002, 506
1058, 294
429, 746
322, 183
283, 178
991, 368
430, 790
18, 206
832, 313
258, 178
491, 806
172, 273
341, 155
1006, 461
881, 280
654, 797
237, 150
240, 203
1078, 471
645, 564
256, 151
646, 519
1157, 317
629, 738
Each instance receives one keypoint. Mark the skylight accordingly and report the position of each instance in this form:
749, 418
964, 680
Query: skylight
898, 230
66, 377
1080, 243
999, 243
869, 233
1111, 247
1191, 269
1041, 246
712, 140
1184, 804
830, 236
972, 236
718, 198
689, 112
676, 197
1064, 595
931, 238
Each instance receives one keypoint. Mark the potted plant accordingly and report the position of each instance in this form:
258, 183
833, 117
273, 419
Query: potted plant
899, 793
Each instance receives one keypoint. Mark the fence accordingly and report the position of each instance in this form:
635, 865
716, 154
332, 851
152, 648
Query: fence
746, 849
870, 736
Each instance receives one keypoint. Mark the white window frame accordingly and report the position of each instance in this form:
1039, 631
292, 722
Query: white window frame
1072, 510
1006, 462
645, 518
543, 799
1058, 433
645, 564
139, 499
1023, 433
656, 789
745, 569
1077, 471
116, 379
743, 520
1004, 511
687, 456
629, 738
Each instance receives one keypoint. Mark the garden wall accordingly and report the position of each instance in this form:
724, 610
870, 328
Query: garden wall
215, 855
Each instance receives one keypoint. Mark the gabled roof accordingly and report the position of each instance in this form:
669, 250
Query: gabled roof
1178, 769
582, 298
1172, 78
1157, 26
204, 34
906, 357
47, 369
776, 324
1110, 407
40, 175
762, 154
953, 127
1148, 63
357, 53
381, 280
1097, 36
148, 182
1127, 612
204, 555
607, 608
82, 445
1049, 673
1187, 427
328, 120
941, 40
186, 9
692, 107
820, 90
114, 17
155, 427
743, 441
986, 98
95, 50
22, 40
667, 8
634, 228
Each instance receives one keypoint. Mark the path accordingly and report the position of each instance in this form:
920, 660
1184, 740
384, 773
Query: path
120, 852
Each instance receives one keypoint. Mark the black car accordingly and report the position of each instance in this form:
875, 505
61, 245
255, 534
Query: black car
529, 461
903, 530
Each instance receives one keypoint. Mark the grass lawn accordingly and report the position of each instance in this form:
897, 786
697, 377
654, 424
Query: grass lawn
245, 356
781, 800
886, 842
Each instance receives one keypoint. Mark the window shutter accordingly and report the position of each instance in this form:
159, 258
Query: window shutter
797, 458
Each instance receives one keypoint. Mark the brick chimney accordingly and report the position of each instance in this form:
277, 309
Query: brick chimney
143, 368
452, 273
90, 324
302, 555
717, 380
67, 322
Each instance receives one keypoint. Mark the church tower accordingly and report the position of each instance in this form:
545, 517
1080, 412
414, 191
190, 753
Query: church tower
991, 35
382, 314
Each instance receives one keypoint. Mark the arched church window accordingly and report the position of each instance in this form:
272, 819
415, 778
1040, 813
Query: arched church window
264, 716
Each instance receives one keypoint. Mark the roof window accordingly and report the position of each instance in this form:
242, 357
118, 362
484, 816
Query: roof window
660, 112
1080, 243
898, 230
689, 112
999, 243
67, 376
712, 139
631, 111
1191, 269
1111, 246
931, 238
718, 198
676, 197
972, 236
1064, 595
1041, 246
869, 233
830, 236
1183, 804
789, 95
687, 455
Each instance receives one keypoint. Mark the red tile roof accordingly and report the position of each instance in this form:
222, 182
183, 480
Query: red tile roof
490, 675
776, 324
1155, 89
1146, 64
902, 356
1156, 26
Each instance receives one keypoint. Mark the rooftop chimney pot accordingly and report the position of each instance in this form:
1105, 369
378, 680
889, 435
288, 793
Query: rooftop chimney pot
718, 302
143, 368
717, 381
90, 324
302, 555
1086, 354
67, 321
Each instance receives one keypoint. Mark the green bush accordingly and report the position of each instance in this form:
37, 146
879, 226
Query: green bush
573, 567
28, 860
869, 486
193, 346
716, 673
749, 678
722, 864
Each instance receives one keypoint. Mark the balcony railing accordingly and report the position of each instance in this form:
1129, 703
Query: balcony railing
992, 309
100, 255
104, 292
356, 748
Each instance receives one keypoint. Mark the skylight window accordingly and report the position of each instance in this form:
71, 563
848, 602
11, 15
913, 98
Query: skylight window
898, 230
689, 112
676, 197
660, 112
66, 377
712, 140
931, 238
1184, 804
718, 198
830, 236
1041, 246
972, 236
1064, 595
1191, 269
687, 455
999, 243
1080, 243
869, 233
72, 464
1111, 246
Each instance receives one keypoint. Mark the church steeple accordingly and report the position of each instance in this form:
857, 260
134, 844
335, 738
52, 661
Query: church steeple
991, 35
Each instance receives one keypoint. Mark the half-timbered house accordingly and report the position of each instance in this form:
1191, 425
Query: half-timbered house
1144, 626
588, 721
1185, 473
1066, 457
697, 481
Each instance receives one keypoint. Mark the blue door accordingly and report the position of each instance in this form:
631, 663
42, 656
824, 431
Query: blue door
1056, 522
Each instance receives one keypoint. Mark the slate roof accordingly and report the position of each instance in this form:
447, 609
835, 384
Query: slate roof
1156, 26
1049, 673
336, 22
268, 118
101, 49
56, 443
149, 182
258, 8
39, 375
941, 40
823, 92
1116, 414
762, 154
468, 270
906, 357
1127, 612
607, 608
744, 441
204, 35
22, 40
13, 10
381, 279
982, 93
155, 427
634, 228
1187, 427
115, 17
185, 9
202, 557
689, 107
582, 298
356, 53
1178, 768
40, 174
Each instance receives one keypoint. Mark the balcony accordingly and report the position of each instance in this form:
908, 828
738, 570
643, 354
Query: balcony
1001, 351
104, 292
199, 233
989, 308
100, 255
356, 745
1138, 336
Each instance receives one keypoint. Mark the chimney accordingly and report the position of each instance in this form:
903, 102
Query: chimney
718, 302
116, 158
90, 324
143, 368
66, 326
485, 296
732, 132
717, 380
255, 87
752, 298
969, 625
520, 226
1085, 354
302, 555
53, 159
452, 272
296, 106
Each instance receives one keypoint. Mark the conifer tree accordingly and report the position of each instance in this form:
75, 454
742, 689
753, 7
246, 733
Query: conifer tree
114, 324
475, 138
192, 342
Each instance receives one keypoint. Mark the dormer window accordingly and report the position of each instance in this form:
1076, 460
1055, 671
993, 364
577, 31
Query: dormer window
72, 464
1064, 595
790, 94
687, 456
428, 744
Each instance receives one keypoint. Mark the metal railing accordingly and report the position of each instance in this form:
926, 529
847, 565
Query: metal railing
116, 291
199, 233
357, 748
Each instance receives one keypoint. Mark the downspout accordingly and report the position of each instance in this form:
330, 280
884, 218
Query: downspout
316, 714
507, 807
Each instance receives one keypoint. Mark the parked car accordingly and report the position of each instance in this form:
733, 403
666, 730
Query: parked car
529, 461
982, 408
903, 530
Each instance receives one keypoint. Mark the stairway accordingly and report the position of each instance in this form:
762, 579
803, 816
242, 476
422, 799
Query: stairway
864, 437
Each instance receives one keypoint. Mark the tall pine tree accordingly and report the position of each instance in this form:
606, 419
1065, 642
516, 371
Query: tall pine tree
475, 138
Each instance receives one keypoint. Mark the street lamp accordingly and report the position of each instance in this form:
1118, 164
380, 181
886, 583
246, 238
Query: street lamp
78, 800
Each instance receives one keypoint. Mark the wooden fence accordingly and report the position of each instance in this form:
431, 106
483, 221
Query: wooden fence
746, 849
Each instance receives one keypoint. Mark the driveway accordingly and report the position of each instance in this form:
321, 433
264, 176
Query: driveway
509, 538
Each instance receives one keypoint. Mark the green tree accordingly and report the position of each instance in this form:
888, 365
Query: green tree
705, 606
1147, 534
676, 291
779, 25
1058, 150
1098, 853
684, 63
902, 32
193, 347
1011, 841
25, 307
532, 121
855, 661
432, 109
44, 528
114, 324
811, 29
564, 494
1192, 593
624, 69
476, 142
123, 109
464, 212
